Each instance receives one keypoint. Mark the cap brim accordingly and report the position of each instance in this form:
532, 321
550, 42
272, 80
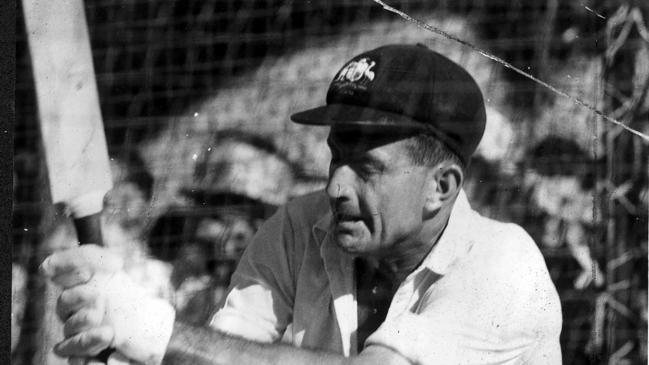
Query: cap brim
356, 116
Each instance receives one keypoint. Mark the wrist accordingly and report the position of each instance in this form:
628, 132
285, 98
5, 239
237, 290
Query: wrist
195, 345
143, 325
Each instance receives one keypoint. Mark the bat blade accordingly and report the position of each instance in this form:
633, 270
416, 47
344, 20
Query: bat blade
70, 118
68, 104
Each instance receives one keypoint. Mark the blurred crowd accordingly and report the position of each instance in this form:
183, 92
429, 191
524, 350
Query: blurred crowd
187, 252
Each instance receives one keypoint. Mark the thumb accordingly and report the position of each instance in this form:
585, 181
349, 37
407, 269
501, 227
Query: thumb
117, 358
114, 359
76, 360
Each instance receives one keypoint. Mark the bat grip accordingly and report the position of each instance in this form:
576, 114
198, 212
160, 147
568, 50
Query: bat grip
89, 231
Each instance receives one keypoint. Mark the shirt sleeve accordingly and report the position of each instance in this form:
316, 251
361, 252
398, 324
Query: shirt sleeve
259, 302
493, 308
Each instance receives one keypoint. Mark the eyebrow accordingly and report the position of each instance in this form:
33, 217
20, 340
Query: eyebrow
361, 155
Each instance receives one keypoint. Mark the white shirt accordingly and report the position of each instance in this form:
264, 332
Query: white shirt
482, 296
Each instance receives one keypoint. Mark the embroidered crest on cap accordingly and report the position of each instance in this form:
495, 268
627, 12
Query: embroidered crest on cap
358, 73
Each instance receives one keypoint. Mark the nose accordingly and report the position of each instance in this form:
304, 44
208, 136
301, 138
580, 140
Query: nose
340, 186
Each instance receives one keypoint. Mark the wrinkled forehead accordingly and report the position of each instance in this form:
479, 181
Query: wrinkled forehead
351, 137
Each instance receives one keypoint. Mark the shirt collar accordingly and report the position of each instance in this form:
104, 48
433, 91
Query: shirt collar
456, 240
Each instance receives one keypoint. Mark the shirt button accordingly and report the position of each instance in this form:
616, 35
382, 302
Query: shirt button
375, 311
375, 290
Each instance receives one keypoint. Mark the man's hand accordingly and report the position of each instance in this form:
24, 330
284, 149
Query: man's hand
102, 307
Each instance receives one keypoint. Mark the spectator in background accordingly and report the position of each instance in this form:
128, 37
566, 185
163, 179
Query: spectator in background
240, 166
484, 185
562, 186
128, 202
239, 180
125, 219
18, 302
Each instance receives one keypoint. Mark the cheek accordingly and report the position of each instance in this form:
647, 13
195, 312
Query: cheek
401, 210
373, 207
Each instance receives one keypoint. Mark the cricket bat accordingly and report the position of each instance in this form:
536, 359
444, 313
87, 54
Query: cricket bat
68, 109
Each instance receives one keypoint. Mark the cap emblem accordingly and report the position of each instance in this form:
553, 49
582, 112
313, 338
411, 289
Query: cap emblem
355, 71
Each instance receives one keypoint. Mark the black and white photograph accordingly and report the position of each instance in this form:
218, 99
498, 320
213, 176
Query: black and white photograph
358, 182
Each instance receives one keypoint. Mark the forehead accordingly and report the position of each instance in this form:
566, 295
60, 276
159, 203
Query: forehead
358, 139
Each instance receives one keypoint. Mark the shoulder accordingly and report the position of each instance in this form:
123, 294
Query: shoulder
306, 210
497, 291
307, 202
295, 220
507, 246
510, 268
488, 244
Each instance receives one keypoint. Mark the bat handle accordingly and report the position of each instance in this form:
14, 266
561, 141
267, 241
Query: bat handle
89, 231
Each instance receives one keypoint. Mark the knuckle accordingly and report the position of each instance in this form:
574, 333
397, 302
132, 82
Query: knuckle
64, 307
73, 277
67, 297
87, 343
61, 308
75, 298
92, 318
67, 347
81, 321
88, 293
98, 339
105, 334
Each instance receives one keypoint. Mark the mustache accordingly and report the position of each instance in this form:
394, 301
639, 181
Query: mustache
342, 212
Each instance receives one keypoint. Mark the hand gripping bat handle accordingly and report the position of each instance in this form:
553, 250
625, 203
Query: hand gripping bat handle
89, 231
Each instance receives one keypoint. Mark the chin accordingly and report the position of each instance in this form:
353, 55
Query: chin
349, 244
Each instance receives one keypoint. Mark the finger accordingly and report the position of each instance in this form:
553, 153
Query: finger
83, 320
89, 256
88, 343
93, 361
73, 299
74, 277
76, 360
87, 361
84, 361
117, 358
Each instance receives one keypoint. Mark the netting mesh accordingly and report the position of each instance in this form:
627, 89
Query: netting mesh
178, 78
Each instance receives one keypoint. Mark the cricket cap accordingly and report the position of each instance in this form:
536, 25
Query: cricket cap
405, 88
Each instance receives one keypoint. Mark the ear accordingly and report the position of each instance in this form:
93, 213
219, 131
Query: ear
444, 183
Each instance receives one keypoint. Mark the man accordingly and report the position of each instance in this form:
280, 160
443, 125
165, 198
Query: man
388, 266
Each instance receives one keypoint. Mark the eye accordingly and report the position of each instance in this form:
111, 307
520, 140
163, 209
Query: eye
363, 169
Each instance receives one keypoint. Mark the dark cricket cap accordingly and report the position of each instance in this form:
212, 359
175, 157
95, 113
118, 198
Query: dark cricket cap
405, 88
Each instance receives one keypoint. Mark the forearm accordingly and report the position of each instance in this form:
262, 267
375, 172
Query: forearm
203, 346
